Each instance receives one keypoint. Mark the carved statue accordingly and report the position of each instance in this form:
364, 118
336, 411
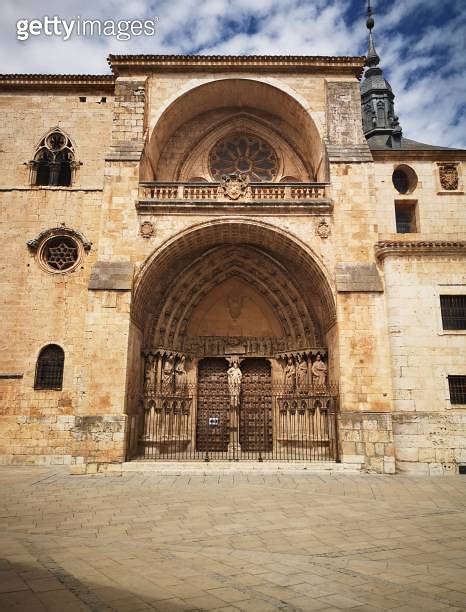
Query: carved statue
234, 383
319, 372
149, 376
301, 371
167, 375
290, 374
180, 375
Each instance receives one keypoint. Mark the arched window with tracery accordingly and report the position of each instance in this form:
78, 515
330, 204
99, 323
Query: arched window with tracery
54, 160
49, 368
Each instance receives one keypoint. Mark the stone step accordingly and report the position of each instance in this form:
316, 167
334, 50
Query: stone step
201, 467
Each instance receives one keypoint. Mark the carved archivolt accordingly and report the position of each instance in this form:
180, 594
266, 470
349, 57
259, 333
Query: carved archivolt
254, 268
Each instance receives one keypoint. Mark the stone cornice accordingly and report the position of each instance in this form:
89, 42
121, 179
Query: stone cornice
352, 66
437, 154
395, 248
99, 82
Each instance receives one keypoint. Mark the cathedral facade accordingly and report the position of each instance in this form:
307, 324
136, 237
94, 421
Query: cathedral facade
228, 258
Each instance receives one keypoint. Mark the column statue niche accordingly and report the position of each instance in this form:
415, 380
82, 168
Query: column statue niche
149, 375
289, 375
181, 376
235, 377
167, 375
301, 372
319, 372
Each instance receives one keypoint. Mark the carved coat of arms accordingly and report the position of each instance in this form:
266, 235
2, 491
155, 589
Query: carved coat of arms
448, 177
234, 185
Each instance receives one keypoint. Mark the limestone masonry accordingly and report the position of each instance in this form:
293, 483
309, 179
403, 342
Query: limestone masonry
228, 258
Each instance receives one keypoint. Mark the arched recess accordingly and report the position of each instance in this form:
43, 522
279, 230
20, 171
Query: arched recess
284, 270
211, 102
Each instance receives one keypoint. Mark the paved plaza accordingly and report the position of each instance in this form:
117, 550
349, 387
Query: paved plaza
226, 541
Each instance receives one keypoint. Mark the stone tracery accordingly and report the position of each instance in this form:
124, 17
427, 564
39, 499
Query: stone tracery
244, 154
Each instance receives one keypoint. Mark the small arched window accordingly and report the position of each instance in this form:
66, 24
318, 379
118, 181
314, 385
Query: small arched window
49, 368
54, 160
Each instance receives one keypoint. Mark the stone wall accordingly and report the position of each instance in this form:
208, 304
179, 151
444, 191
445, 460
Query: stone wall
39, 307
387, 351
429, 432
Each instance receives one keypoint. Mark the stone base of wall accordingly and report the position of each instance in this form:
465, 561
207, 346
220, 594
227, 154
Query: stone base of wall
367, 438
429, 443
77, 441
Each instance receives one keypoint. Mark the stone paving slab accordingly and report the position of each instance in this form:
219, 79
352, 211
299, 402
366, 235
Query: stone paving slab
248, 541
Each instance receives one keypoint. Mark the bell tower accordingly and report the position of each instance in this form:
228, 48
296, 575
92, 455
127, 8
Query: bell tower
378, 111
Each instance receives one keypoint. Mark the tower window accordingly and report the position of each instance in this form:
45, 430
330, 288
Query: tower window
405, 216
453, 309
53, 161
49, 368
457, 385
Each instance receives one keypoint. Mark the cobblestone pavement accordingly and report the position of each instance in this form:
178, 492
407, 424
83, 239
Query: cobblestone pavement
238, 541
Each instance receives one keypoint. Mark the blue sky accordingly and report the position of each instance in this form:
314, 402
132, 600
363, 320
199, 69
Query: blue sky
422, 44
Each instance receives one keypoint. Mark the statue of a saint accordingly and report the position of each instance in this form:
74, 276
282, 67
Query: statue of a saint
149, 377
234, 383
180, 375
290, 375
301, 372
319, 372
167, 375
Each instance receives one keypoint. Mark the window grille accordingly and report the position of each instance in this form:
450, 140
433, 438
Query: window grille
49, 369
457, 386
453, 309
405, 216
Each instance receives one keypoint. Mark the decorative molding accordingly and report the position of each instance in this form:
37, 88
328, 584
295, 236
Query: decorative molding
387, 248
353, 65
36, 242
60, 81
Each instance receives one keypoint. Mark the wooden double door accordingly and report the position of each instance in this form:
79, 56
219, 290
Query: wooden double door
213, 428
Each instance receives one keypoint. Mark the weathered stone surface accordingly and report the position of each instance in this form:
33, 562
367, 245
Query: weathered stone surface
111, 276
358, 277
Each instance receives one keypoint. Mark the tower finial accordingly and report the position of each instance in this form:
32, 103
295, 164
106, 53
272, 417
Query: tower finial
372, 57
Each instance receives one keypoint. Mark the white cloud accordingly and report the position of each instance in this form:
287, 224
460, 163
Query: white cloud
426, 68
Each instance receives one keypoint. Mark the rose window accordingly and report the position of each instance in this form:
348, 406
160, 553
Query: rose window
60, 253
243, 154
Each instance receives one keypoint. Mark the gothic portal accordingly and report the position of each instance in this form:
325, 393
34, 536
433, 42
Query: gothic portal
228, 258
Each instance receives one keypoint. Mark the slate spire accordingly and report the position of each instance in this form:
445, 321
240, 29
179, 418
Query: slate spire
378, 111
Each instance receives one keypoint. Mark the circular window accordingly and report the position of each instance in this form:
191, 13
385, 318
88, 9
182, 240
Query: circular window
404, 179
60, 254
243, 154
